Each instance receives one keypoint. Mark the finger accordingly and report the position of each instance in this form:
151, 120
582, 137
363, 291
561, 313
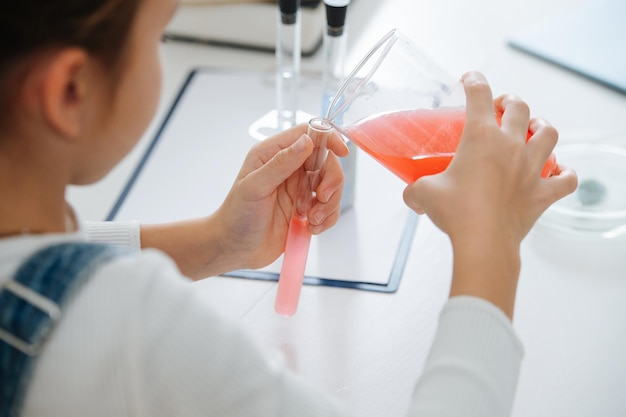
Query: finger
562, 183
515, 115
543, 134
337, 145
329, 193
280, 166
329, 222
332, 179
268, 148
479, 99
323, 216
544, 138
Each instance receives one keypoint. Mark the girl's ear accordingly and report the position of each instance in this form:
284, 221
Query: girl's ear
63, 91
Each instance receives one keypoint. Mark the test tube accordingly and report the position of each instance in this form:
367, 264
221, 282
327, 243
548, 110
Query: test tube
334, 50
298, 236
334, 46
288, 56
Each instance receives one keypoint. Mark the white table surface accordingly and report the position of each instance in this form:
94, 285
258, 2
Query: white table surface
368, 348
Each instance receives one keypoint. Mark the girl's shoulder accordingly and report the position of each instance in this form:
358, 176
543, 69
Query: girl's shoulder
141, 273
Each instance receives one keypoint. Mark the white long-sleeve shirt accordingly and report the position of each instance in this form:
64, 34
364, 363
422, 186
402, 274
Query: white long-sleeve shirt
138, 341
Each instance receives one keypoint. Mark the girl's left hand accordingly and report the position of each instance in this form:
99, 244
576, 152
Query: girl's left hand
254, 218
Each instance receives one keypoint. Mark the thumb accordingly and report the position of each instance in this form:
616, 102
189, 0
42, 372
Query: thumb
282, 165
427, 194
412, 197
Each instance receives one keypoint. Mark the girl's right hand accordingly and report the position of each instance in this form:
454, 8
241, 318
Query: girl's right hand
492, 193
493, 184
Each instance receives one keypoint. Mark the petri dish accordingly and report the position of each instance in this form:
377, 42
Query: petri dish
597, 209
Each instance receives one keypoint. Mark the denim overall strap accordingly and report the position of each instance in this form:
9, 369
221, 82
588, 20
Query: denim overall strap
31, 305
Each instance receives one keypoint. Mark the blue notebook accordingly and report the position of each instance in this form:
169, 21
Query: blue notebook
589, 40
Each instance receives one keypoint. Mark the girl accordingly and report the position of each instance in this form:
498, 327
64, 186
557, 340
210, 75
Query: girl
78, 85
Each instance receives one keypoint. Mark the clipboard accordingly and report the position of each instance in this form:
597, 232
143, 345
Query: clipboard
192, 160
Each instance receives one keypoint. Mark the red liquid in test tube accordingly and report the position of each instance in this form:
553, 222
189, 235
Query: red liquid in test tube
298, 236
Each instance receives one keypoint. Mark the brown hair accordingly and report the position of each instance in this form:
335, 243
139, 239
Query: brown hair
101, 27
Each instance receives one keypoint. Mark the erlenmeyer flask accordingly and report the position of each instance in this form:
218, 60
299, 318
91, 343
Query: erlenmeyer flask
401, 108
